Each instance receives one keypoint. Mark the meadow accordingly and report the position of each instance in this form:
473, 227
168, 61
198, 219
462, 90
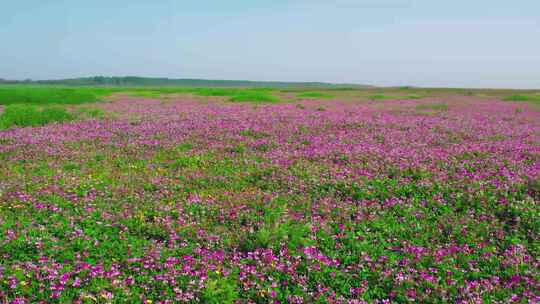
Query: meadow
266, 195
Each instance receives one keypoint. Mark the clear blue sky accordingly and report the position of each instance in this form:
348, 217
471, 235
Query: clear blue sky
464, 43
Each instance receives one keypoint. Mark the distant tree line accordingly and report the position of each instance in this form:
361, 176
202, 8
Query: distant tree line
5, 81
148, 81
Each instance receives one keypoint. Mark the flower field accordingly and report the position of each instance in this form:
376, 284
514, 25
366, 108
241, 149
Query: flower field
194, 200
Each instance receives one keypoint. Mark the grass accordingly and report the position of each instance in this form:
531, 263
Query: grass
531, 99
518, 97
32, 116
209, 213
47, 95
314, 95
159, 92
51, 95
258, 95
433, 106
148, 94
216, 91
90, 113
379, 97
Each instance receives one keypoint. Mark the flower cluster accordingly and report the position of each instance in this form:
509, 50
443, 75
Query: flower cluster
182, 201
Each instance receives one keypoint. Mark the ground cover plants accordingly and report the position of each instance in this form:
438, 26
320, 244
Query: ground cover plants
42, 95
65, 95
29, 115
314, 95
531, 99
519, 97
208, 200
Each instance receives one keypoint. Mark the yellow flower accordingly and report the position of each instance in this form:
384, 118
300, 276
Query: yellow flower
89, 296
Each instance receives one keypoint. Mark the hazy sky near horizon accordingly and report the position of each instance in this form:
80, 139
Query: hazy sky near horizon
459, 43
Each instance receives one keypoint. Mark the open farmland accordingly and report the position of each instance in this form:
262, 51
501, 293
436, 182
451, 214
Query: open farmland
179, 195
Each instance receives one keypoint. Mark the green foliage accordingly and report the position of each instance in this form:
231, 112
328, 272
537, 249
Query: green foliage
32, 116
315, 95
50, 95
532, 99
253, 134
42, 95
149, 94
220, 290
433, 106
517, 97
253, 96
219, 209
216, 91
183, 147
90, 112
191, 162
382, 96
379, 97
276, 230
